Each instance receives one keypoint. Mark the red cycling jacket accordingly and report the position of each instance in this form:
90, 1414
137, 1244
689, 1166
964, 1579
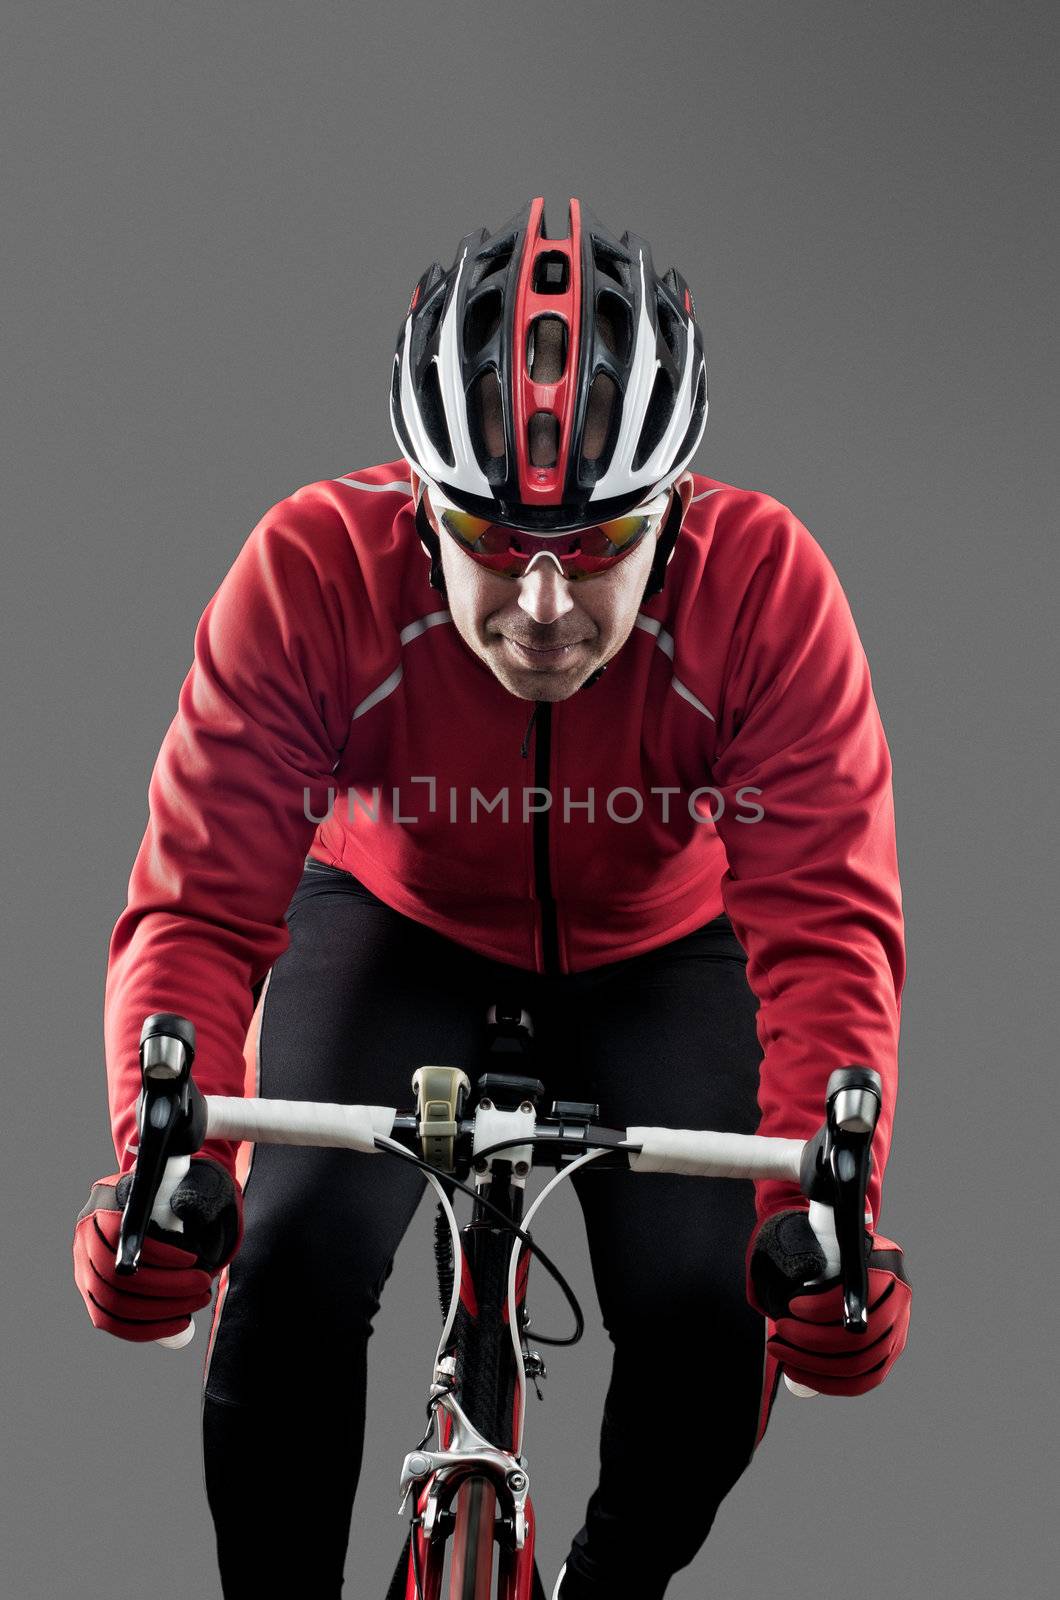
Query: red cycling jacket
730, 758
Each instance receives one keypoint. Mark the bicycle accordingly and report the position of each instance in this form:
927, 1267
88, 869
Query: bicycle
472, 1519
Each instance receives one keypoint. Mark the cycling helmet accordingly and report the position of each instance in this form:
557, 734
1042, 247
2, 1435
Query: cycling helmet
550, 383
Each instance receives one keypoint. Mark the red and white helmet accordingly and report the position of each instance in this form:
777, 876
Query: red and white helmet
549, 383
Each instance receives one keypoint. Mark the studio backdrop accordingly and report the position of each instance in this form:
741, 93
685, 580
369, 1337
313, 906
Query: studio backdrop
213, 219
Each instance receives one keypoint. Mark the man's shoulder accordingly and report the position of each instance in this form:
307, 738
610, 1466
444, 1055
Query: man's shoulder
350, 539
351, 517
727, 506
748, 557
370, 495
377, 485
741, 552
740, 530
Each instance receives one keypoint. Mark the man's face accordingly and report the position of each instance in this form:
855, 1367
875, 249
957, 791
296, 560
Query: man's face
542, 635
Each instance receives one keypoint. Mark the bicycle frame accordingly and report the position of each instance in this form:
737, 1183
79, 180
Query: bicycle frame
480, 1359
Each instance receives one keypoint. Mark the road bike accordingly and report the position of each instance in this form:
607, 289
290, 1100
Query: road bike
467, 1482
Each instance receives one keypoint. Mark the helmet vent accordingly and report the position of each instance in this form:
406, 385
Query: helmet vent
546, 349
433, 413
486, 416
699, 405
599, 414
614, 325
660, 409
669, 327
551, 273
498, 261
425, 326
610, 265
481, 320
543, 435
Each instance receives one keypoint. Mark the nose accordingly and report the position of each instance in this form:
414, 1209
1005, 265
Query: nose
544, 593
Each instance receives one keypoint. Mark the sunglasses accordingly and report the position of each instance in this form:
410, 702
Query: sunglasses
579, 552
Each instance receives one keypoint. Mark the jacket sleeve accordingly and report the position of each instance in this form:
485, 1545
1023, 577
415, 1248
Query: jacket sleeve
262, 718
812, 885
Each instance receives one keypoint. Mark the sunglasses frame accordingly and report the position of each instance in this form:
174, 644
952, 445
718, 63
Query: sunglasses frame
654, 510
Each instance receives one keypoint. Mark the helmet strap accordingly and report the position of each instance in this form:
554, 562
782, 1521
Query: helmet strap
664, 548
430, 542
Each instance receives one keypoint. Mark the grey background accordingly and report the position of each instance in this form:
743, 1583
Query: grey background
213, 217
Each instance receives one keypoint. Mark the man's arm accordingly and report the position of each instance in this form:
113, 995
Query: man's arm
263, 715
812, 888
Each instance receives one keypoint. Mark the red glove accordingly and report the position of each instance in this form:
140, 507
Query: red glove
806, 1332
176, 1270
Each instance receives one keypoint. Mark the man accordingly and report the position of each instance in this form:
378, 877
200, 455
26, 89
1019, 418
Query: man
611, 754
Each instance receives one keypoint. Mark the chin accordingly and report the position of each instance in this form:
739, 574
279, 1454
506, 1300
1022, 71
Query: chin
548, 686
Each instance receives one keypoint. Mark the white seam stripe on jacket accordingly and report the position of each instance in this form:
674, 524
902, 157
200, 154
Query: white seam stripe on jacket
411, 631
666, 644
375, 488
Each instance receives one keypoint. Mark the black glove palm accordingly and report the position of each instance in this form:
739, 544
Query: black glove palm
207, 1202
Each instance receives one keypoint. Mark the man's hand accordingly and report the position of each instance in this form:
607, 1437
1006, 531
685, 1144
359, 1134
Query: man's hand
176, 1270
806, 1332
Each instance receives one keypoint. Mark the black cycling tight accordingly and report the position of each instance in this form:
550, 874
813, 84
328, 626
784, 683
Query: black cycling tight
362, 996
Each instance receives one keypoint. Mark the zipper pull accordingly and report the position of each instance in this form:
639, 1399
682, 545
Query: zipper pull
525, 751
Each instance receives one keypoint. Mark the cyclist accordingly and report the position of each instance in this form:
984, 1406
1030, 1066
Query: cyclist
609, 752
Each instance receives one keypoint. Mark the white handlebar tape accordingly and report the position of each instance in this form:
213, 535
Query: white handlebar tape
799, 1390
271, 1122
822, 1221
714, 1155
175, 1169
177, 1341
174, 1172
297, 1122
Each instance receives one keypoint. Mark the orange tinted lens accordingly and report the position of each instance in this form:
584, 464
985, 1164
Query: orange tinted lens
582, 552
623, 531
603, 538
463, 526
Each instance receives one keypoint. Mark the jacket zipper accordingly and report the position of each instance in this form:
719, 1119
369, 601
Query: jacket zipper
542, 869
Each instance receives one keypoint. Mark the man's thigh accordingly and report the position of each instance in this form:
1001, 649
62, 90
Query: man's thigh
670, 1039
360, 999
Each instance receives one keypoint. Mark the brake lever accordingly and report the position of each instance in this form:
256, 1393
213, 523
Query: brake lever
836, 1164
171, 1117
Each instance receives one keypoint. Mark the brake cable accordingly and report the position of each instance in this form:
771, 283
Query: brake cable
511, 1227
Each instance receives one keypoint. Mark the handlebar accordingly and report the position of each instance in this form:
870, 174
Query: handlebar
832, 1168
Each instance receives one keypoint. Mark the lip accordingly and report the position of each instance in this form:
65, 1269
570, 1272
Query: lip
553, 656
